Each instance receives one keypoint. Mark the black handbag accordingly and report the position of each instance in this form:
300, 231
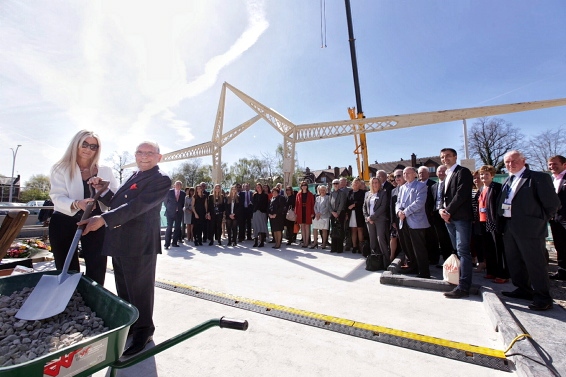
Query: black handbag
337, 229
374, 262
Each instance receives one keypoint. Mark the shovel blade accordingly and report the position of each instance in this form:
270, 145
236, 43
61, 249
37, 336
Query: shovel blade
49, 297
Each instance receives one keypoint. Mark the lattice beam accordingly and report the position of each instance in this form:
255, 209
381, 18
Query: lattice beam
315, 131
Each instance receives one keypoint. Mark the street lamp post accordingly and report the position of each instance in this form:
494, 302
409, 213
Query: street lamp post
14, 153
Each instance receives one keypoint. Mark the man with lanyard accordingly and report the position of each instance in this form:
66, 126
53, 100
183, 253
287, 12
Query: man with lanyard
526, 203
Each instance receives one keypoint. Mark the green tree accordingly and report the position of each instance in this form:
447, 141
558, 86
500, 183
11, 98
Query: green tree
36, 188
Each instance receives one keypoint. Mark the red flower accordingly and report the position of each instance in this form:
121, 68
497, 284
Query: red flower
134, 186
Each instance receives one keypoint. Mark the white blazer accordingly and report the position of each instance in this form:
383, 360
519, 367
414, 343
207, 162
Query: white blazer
65, 190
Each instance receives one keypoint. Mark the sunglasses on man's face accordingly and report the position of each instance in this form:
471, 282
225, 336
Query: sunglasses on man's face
93, 147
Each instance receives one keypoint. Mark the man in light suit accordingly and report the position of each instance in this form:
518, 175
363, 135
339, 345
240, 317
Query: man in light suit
174, 202
133, 239
557, 166
458, 216
413, 223
526, 203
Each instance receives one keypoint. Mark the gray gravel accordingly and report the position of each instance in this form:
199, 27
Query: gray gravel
22, 340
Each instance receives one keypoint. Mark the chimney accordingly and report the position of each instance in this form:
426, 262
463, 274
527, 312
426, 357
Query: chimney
350, 170
414, 160
329, 167
336, 172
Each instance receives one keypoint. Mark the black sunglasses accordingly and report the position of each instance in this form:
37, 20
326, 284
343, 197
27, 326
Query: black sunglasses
398, 176
93, 147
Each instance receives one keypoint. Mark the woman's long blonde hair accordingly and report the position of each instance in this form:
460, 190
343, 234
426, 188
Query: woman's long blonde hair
69, 160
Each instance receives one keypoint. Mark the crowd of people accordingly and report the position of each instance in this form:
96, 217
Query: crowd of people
502, 226
462, 212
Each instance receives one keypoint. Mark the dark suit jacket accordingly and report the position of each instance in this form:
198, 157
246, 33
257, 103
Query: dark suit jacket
133, 220
380, 208
561, 214
238, 208
458, 194
434, 194
534, 203
173, 207
429, 206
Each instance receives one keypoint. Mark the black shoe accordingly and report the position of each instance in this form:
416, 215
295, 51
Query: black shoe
539, 306
456, 293
288, 243
166, 247
234, 243
137, 346
408, 270
175, 245
560, 275
423, 276
518, 293
211, 243
250, 239
262, 244
219, 243
255, 243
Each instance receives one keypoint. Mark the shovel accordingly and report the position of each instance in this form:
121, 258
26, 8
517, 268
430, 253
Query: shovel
52, 293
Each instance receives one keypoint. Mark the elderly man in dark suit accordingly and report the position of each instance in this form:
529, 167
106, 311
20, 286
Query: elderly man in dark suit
526, 203
133, 237
458, 216
174, 202
557, 166
437, 193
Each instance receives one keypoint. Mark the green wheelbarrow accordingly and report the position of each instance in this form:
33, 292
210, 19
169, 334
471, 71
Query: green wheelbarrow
93, 354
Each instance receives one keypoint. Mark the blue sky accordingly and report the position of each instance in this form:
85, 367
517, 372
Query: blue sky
153, 70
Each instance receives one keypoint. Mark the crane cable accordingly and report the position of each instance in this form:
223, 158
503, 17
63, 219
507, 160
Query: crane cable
322, 23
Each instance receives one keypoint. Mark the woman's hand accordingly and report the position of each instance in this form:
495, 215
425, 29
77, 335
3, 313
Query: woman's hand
81, 204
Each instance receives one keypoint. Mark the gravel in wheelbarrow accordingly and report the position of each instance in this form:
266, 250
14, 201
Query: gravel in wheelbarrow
88, 336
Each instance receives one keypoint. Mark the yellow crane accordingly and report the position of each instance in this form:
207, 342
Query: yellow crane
360, 139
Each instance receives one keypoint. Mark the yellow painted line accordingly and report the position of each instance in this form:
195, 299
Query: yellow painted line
470, 348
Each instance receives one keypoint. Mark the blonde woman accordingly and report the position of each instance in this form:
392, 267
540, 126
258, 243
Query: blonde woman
376, 213
70, 194
233, 211
321, 219
215, 214
355, 205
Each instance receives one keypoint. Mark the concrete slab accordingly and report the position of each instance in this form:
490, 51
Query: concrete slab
539, 355
312, 280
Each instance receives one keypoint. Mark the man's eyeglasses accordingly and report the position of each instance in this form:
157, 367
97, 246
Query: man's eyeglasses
144, 154
335, 183
93, 147
398, 176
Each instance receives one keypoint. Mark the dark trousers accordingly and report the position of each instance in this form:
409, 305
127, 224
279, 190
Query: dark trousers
62, 229
135, 283
559, 238
337, 228
245, 224
527, 264
414, 246
442, 235
231, 229
198, 228
290, 231
174, 227
215, 227
494, 253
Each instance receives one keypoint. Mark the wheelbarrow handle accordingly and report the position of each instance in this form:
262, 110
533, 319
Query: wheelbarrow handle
235, 324
219, 322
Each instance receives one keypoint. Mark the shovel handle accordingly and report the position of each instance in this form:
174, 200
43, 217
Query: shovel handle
79, 232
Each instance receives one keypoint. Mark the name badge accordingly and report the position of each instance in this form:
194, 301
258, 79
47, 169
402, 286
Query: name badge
483, 210
506, 207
